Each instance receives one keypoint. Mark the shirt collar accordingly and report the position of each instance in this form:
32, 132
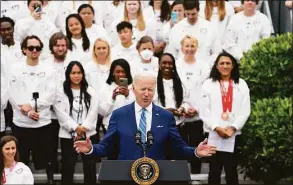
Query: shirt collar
138, 108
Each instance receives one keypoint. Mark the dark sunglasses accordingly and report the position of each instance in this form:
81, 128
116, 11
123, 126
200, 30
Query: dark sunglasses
32, 48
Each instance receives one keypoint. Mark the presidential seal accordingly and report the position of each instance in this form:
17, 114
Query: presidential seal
145, 171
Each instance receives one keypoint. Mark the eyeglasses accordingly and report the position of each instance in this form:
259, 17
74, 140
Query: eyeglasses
32, 48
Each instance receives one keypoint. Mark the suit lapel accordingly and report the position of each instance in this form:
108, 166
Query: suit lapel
132, 123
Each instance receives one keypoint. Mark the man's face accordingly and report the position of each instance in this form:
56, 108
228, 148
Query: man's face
144, 89
249, 5
33, 49
125, 36
6, 32
60, 49
191, 16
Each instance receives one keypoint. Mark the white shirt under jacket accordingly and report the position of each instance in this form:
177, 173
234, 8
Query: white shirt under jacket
211, 106
67, 123
25, 80
109, 105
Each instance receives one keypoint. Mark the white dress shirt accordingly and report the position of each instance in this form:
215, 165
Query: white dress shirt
148, 115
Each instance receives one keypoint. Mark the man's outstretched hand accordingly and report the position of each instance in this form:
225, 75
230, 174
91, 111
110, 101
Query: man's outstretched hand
84, 146
205, 150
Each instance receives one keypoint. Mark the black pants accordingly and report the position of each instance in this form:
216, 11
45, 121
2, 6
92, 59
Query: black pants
69, 159
55, 142
192, 133
35, 141
229, 162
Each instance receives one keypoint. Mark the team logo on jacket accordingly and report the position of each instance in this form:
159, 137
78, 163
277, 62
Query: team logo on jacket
145, 171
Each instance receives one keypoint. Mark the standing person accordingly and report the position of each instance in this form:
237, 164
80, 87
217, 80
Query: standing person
37, 24
76, 107
224, 109
126, 48
94, 31
246, 28
58, 45
134, 15
209, 45
10, 48
158, 12
79, 43
32, 92
171, 92
219, 13
117, 93
177, 12
193, 72
112, 10
12, 171
145, 116
97, 69
147, 61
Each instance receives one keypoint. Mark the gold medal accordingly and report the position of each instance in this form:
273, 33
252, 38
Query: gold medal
224, 116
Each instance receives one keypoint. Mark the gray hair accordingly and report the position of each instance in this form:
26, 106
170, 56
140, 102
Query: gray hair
144, 75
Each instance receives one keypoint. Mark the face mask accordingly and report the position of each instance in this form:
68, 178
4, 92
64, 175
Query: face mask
146, 54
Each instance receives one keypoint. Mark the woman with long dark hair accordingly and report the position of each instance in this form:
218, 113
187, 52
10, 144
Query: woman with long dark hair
224, 109
79, 43
118, 89
77, 109
171, 92
12, 171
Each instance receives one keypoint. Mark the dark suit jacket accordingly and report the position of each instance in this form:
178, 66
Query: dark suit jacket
123, 128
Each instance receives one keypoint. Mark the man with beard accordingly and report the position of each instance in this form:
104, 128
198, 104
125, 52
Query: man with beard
58, 45
10, 49
32, 92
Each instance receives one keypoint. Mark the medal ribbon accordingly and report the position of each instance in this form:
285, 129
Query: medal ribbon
10, 170
227, 96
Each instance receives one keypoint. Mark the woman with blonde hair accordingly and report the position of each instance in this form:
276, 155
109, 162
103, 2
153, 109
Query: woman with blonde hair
193, 72
97, 70
218, 12
141, 26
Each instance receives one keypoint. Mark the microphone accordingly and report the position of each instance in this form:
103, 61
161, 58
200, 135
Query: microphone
150, 138
36, 96
138, 137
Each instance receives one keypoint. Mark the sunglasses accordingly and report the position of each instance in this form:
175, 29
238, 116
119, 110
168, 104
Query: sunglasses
32, 48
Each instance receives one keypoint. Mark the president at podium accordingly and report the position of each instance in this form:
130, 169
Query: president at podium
142, 116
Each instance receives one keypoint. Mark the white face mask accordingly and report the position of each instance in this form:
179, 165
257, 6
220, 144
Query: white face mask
146, 54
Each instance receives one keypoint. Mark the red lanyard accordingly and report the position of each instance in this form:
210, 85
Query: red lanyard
227, 96
10, 170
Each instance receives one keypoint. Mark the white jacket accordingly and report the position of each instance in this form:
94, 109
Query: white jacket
209, 46
211, 106
109, 105
43, 28
22, 85
67, 124
21, 174
4, 99
242, 32
14, 9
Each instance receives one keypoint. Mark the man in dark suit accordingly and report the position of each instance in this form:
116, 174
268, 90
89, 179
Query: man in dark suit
145, 116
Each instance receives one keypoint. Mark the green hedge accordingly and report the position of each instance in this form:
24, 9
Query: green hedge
268, 150
267, 67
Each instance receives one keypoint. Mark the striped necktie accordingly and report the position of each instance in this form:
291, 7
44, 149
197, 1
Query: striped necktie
142, 125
